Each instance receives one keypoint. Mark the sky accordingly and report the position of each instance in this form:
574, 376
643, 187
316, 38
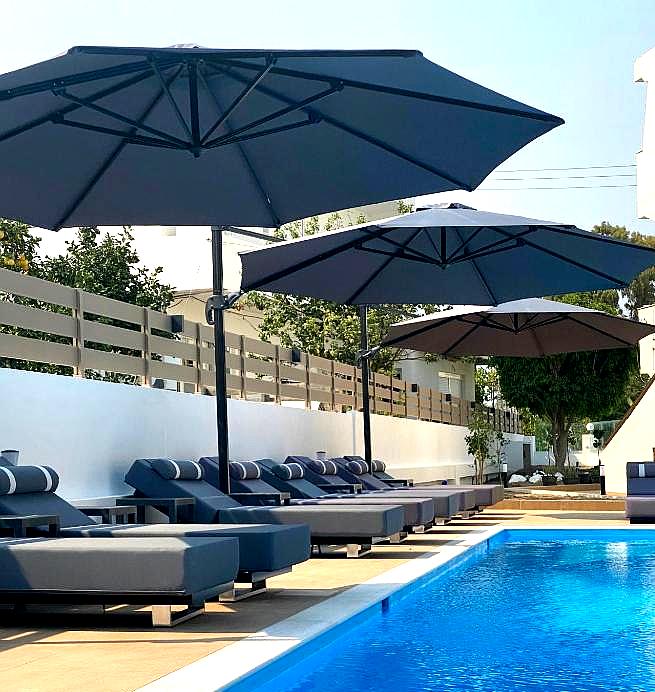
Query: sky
574, 59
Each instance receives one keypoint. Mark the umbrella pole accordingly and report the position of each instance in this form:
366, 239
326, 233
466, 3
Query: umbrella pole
366, 404
219, 361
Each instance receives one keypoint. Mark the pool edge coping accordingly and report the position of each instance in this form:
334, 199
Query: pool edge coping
228, 666
225, 667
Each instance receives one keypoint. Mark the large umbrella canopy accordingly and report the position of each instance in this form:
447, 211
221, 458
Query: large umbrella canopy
194, 136
445, 255
527, 328
197, 136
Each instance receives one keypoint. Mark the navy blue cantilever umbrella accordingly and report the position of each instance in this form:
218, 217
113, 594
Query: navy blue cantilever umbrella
443, 254
191, 136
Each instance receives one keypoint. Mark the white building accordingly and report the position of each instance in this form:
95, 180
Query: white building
647, 344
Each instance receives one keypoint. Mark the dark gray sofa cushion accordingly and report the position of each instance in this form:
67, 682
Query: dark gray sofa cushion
129, 565
262, 547
177, 469
640, 507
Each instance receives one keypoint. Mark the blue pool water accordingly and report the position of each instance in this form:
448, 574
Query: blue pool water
570, 612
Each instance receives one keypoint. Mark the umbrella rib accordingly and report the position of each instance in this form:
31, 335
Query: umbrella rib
464, 243
169, 97
192, 69
367, 138
464, 336
120, 117
395, 91
417, 253
108, 162
300, 105
265, 197
390, 253
41, 120
599, 238
327, 254
381, 268
131, 138
598, 330
79, 78
238, 100
491, 248
483, 281
569, 260
420, 330
261, 133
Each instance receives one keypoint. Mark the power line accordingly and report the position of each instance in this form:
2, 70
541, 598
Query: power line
571, 177
570, 168
561, 187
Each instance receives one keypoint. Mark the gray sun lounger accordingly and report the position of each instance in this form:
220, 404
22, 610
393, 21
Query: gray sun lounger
290, 478
486, 494
356, 527
640, 499
264, 551
157, 572
357, 471
329, 474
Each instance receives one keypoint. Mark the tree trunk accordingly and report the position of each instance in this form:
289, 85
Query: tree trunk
560, 441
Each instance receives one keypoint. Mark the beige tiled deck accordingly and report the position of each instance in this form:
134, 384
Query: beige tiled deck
105, 654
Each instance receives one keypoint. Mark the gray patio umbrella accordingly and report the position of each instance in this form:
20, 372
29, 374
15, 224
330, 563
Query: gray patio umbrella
528, 328
190, 135
443, 254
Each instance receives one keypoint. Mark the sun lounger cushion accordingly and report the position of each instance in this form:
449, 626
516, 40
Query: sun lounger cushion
262, 547
289, 472
244, 470
27, 479
130, 565
641, 478
177, 469
356, 467
324, 468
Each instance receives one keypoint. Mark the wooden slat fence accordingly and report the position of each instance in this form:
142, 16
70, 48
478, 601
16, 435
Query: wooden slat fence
85, 335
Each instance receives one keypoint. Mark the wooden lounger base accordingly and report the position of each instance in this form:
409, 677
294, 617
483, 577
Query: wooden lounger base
163, 614
256, 584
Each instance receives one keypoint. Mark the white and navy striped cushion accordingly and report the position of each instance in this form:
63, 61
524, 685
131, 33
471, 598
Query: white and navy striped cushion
289, 471
177, 469
377, 465
27, 479
244, 470
356, 467
323, 468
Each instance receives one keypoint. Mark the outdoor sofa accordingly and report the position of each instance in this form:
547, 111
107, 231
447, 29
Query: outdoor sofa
264, 551
418, 512
355, 527
330, 473
640, 498
486, 494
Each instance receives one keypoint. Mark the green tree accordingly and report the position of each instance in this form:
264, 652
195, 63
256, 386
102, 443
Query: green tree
641, 291
565, 388
18, 247
483, 442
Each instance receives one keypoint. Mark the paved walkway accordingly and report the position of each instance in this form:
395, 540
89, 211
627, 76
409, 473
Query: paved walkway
112, 654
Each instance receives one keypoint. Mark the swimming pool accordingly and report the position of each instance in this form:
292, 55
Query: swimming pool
540, 610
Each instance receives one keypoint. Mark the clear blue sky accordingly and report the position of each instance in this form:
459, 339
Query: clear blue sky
571, 57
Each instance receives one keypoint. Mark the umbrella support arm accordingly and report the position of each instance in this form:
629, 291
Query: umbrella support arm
220, 302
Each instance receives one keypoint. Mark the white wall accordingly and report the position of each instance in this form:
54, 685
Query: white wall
90, 432
647, 344
634, 441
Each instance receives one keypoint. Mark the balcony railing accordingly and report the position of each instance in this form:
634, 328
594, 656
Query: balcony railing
71, 332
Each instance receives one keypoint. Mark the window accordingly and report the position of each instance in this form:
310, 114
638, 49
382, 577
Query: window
450, 383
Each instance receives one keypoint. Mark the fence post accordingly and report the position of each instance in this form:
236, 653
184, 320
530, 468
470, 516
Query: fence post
147, 355
308, 393
78, 314
243, 393
278, 392
333, 386
198, 338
